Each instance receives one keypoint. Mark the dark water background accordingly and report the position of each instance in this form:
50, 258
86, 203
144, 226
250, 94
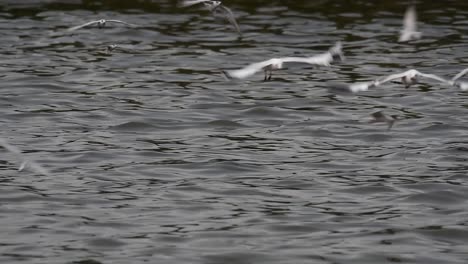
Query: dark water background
154, 157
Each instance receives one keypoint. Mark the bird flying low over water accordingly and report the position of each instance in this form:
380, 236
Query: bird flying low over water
334, 53
216, 8
100, 24
380, 117
462, 85
409, 31
25, 163
408, 78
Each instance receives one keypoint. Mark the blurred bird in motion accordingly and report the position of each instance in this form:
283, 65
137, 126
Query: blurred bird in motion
216, 8
380, 117
408, 78
25, 163
101, 23
409, 31
268, 66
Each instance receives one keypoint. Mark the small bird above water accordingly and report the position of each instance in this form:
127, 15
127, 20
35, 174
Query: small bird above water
380, 117
408, 78
268, 66
100, 24
25, 163
216, 8
409, 31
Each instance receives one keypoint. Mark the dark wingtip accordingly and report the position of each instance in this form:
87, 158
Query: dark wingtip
226, 75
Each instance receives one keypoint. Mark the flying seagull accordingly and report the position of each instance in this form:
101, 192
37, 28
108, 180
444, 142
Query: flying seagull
408, 78
216, 8
25, 162
268, 66
462, 85
380, 117
101, 23
409, 26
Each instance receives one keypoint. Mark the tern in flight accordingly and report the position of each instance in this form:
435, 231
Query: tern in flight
216, 8
268, 66
101, 23
25, 163
409, 31
408, 78
380, 117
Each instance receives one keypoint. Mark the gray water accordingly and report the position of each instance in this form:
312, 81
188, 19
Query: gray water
152, 156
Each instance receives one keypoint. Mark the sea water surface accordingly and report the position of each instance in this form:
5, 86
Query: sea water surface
152, 156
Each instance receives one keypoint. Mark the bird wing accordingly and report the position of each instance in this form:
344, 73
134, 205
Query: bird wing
390, 78
409, 25
359, 87
186, 3
227, 13
405, 36
249, 70
432, 76
83, 25
121, 22
409, 21
322, 59
461, 74
33, 165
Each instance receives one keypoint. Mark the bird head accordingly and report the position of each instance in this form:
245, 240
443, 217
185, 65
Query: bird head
101, 23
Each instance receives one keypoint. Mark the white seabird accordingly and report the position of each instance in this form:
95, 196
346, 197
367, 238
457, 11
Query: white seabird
409, 31
215, 7
25, 163
100, 24
408, 78
270, 65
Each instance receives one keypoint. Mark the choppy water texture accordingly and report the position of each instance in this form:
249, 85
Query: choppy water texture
152, 156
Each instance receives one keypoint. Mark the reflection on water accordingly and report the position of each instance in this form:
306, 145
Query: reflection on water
152, 156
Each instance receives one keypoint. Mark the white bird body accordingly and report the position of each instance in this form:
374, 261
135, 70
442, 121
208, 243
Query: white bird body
409, 31
101, 23
277, 63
